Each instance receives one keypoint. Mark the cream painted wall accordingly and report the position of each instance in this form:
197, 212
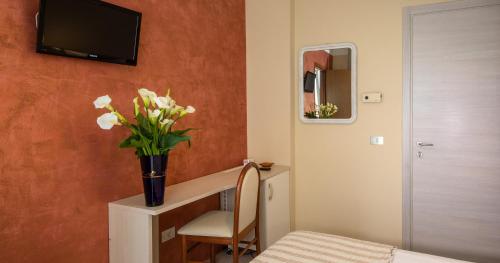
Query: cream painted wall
344, 185
269, 94
341, 184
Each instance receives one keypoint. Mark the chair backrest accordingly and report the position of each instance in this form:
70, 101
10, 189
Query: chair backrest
247, 198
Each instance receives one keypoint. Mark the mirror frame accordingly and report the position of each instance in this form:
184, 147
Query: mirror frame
354, 88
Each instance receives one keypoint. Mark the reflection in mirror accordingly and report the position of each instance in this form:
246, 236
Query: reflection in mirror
327, 84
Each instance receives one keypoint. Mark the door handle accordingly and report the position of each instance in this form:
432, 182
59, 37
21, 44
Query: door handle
423, 144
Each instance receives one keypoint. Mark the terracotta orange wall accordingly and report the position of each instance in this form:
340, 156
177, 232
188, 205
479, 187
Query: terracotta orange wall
59, 170
318, 58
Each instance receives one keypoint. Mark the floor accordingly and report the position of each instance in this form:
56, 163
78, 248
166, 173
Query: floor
225, 258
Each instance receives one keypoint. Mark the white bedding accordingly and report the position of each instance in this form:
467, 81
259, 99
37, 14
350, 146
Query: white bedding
312, 247
404, 256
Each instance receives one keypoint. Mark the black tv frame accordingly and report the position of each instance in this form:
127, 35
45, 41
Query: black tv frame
40, 48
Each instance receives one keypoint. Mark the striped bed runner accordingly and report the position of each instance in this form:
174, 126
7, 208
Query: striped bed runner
311, 247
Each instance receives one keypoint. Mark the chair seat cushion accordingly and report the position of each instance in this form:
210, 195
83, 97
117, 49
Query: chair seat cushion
210, 224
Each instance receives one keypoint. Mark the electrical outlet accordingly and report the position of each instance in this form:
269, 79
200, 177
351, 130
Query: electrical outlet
168, 234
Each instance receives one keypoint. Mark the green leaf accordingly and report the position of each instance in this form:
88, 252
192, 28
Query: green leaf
132, 141
137, 143
144, 125
169, 141
133, 128
142, 122
127, 142
182, 132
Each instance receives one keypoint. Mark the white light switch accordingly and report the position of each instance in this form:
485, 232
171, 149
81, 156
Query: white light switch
168, 234
377, 140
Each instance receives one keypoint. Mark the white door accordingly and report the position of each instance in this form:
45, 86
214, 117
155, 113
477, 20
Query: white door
453, 134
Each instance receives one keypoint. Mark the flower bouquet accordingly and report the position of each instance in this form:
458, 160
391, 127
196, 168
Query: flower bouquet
152, 135
322, 111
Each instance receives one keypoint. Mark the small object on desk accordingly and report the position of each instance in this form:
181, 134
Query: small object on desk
265, 166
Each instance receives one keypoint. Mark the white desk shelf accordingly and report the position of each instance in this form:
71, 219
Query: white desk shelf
133, 227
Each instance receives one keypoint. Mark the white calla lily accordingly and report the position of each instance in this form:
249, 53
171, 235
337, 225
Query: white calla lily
166, 122
163, 102
190, 109
136, 106
107, 121
102, 102
154, 114
172, 103
147, 96
145, 93
176, 109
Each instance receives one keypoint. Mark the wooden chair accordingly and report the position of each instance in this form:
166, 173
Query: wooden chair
225, 227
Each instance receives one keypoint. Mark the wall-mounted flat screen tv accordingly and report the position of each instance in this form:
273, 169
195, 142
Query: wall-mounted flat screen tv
89, 29
309, 79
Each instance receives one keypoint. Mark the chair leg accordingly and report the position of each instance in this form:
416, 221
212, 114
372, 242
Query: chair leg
212, 253
184, 250
236, 251
257, 237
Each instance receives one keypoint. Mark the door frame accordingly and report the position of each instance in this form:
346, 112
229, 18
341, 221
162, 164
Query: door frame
408, 14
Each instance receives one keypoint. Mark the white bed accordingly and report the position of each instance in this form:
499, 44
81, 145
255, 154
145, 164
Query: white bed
312, 247
405, 256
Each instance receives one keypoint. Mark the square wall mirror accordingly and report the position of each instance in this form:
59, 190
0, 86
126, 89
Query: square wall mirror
327, 83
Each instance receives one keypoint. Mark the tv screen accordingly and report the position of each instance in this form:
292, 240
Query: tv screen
89, 29
309, 79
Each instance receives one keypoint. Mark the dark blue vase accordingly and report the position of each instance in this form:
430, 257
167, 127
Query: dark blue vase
154, 178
